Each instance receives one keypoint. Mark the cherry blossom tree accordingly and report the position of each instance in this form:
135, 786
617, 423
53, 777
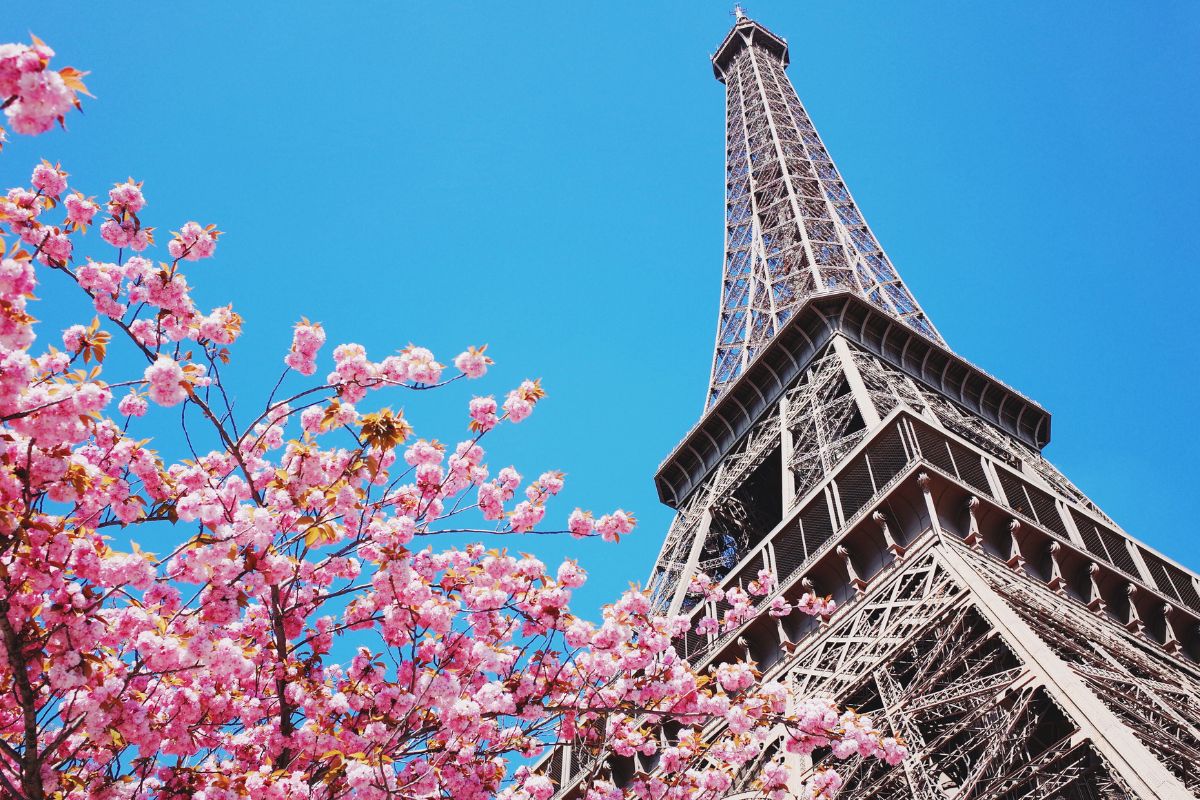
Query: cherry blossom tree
308, 632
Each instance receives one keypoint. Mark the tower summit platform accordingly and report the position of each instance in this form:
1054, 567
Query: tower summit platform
746, 33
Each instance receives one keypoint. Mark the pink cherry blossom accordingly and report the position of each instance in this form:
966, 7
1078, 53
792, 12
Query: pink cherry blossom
425, 452
42, 97
483, 414
811, 604
49, 180
570, 575
517, 408
126, 197
551, 483
193, 242
491, 501
133, 405
307, 339
612, 526
473, 363
55, 247
80, 209
166, 380
580, 523
764, 583
222, 325
420, 365
16, 278
519, 403
116, 233
508, 479
73, 338
526, 516
35, 96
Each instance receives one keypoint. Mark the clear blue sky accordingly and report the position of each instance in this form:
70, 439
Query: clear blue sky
547, 177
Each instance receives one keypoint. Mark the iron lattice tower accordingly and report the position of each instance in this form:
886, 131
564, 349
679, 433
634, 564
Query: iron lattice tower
792, 230
1019, 640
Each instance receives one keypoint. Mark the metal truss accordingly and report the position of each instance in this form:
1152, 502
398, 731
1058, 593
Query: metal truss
673, 557
792, 229
924, 660
824, 422
887, 387
1151, 694
883, 622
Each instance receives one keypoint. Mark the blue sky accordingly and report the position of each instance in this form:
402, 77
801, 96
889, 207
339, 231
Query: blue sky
547, 178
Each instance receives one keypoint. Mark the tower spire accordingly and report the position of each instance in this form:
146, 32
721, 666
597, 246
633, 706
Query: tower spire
792, 229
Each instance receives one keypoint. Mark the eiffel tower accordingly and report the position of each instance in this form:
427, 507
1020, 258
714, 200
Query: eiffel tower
1022, 644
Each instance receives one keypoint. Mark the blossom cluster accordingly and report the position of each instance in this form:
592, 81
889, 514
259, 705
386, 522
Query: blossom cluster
305, 629
34, 96
743, 605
